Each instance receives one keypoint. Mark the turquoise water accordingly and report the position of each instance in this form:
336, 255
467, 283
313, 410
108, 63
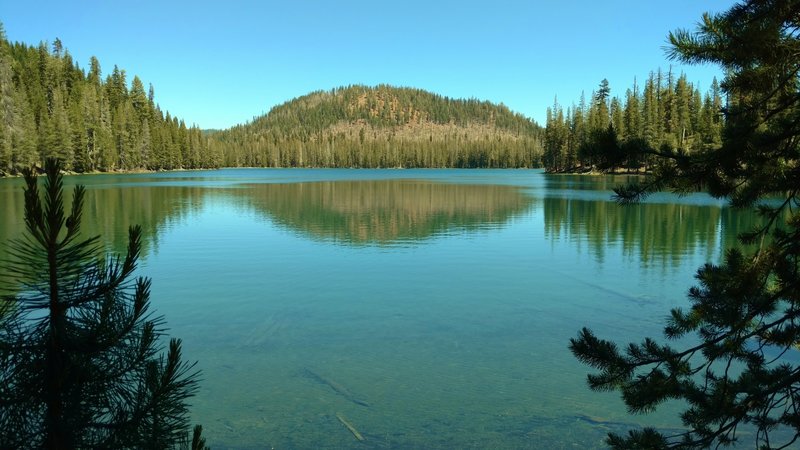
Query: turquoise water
427, 308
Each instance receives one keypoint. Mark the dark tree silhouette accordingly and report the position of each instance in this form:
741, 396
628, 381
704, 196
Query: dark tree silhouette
81, 361
742, 375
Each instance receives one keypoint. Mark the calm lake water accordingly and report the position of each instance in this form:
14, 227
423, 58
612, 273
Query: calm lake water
427, 308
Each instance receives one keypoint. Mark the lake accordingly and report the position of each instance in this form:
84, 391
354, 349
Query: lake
425, 308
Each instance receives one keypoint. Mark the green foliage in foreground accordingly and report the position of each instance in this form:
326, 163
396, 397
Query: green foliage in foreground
82, 363
742, 375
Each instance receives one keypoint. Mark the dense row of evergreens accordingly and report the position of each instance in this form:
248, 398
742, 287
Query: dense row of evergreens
382, 126
50, 107
609, 132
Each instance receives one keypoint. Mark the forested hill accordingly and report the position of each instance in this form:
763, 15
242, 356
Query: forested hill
382, 126
50, 106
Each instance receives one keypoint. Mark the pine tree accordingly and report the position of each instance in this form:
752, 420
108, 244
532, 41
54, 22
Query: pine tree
682, 126
599, 112
633, 114
618, 118
82, 363
742, 376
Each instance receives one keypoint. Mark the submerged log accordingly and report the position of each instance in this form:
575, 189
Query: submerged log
349, 426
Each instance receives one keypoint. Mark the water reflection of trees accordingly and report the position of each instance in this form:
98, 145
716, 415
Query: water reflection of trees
155, 208
348, 212
659, 233
109, 212
386, 211
390, 211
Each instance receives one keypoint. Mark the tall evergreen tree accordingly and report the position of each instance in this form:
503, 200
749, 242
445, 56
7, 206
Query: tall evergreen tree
599, 112
742, 376
682, 114
632, 114
82, 362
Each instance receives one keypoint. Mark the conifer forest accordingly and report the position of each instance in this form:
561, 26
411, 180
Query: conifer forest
527, 225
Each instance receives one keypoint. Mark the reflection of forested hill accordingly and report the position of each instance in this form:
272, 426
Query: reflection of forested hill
348, 212
392, 211
659, 232
383, 212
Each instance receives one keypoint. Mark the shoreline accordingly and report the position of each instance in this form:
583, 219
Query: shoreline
144, 171
600, 172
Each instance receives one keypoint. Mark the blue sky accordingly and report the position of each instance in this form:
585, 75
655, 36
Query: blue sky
217, 64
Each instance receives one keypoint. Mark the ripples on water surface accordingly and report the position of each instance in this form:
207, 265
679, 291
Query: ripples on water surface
426, 308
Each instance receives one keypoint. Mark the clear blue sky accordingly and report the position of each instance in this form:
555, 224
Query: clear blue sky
217, 64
